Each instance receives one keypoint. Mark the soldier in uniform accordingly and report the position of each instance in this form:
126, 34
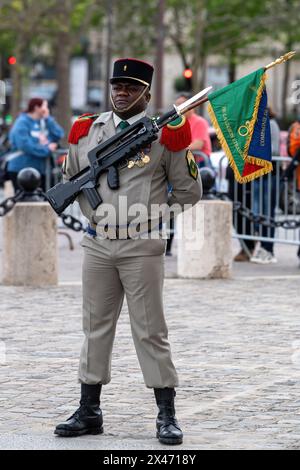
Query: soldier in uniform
117, 263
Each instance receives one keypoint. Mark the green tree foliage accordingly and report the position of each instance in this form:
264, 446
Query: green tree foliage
234, 30
60, 25
134, 27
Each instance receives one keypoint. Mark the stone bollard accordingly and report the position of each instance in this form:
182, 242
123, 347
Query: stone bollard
208, 253
29, 236
29, 245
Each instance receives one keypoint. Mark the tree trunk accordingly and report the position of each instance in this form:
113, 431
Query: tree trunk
232, 66
199, 60
108, 52
285, 82
159, 59
202, 80
17, 80
63, 105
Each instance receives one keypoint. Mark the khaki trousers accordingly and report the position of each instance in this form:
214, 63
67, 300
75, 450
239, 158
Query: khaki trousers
110, 269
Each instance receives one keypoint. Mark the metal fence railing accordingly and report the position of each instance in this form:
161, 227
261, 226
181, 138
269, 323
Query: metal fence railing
275, 197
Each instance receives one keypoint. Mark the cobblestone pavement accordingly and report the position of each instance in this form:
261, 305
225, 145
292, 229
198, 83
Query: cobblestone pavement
236, 345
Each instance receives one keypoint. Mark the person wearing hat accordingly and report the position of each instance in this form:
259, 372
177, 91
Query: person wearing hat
117, 262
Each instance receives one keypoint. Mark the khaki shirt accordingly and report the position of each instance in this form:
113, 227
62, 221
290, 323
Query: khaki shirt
146, 186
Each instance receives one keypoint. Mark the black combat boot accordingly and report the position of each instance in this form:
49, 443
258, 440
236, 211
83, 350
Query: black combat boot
168, 430
88, 418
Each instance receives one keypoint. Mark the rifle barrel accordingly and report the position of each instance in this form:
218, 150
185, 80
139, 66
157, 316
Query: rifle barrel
196, 100
183, 108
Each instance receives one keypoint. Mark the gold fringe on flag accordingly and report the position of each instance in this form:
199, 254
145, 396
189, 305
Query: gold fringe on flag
266, 166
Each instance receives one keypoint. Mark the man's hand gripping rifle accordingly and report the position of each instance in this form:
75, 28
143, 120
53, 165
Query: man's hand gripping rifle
108, 155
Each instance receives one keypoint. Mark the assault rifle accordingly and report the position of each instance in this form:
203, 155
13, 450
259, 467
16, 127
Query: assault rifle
108, 155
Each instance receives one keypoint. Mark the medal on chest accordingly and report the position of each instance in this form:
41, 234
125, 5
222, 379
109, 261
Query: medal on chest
140, 160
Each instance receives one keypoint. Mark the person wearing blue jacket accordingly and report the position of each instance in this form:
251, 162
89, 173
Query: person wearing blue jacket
34, 137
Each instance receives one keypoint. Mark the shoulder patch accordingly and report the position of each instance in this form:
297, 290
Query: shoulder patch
176, 135
192, 165
81, 127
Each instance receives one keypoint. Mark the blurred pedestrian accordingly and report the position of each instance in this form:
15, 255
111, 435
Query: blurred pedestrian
265, 199
241, 193
293, 147
33, 138
201, 143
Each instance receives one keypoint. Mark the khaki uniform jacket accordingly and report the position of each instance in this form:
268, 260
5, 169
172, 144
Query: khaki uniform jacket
146, 186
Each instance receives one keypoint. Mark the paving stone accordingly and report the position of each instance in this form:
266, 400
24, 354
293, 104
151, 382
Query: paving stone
232, 342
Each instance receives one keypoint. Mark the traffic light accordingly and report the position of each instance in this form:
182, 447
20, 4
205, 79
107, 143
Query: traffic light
188, 75
12, 60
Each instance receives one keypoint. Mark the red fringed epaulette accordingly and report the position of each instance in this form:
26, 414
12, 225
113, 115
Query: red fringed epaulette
177, 135
81, 127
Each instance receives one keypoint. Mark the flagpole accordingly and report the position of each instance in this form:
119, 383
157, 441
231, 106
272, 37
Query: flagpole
278, 61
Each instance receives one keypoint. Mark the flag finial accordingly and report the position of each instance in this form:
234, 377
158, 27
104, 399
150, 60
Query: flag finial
281, 59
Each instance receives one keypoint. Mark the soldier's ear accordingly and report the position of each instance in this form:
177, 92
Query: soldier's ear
148, 97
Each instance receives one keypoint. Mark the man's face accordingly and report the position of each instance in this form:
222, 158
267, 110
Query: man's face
124, 94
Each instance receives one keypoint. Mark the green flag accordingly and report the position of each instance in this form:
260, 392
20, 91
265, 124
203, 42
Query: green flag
240, 116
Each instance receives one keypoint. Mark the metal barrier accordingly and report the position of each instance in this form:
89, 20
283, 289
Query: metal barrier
53, 169
275, 197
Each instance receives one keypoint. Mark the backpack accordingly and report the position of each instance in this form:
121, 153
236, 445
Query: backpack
294, 139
